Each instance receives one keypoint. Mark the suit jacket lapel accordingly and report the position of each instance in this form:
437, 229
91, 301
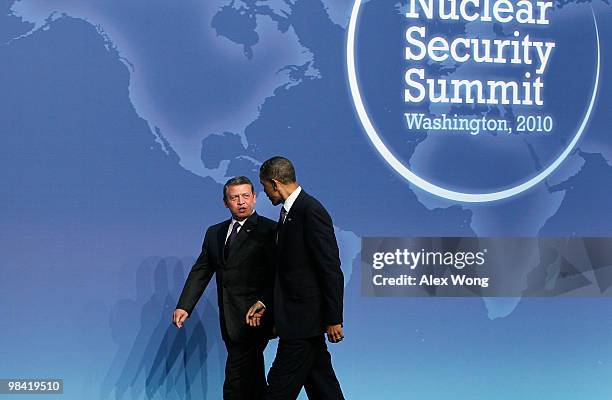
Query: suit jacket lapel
282, 227
221, 234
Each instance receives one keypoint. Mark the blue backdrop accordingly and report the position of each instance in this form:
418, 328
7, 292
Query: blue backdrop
120, 121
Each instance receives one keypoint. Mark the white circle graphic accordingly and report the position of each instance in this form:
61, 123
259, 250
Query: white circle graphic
424, 184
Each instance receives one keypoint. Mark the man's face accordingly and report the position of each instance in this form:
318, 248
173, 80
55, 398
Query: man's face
240, 200
271, 192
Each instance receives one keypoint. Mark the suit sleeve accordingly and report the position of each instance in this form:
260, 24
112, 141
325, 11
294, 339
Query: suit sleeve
321, 243
267, 296
199, 277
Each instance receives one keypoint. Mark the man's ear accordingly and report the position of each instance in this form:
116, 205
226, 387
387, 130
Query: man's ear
225, 202
274, 184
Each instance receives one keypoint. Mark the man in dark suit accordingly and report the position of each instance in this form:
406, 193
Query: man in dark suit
241, 253
308, 290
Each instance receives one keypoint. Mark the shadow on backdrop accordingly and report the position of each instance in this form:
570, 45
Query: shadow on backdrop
155, 359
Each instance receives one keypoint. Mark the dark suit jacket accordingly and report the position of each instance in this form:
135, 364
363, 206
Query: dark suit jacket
309, 283
245, 277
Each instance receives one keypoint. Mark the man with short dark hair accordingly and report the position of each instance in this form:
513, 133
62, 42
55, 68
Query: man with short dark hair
308, 290
240, 251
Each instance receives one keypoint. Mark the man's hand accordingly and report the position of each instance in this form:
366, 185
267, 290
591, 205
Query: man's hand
255, 313
334, 333
179, 317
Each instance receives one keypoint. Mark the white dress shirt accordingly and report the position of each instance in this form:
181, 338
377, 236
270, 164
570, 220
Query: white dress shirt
291, 199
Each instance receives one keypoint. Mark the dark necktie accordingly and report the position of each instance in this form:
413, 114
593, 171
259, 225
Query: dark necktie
281, 221
230, 239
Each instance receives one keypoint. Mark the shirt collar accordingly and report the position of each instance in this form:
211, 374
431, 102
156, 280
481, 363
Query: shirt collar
291, 199
241, 222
